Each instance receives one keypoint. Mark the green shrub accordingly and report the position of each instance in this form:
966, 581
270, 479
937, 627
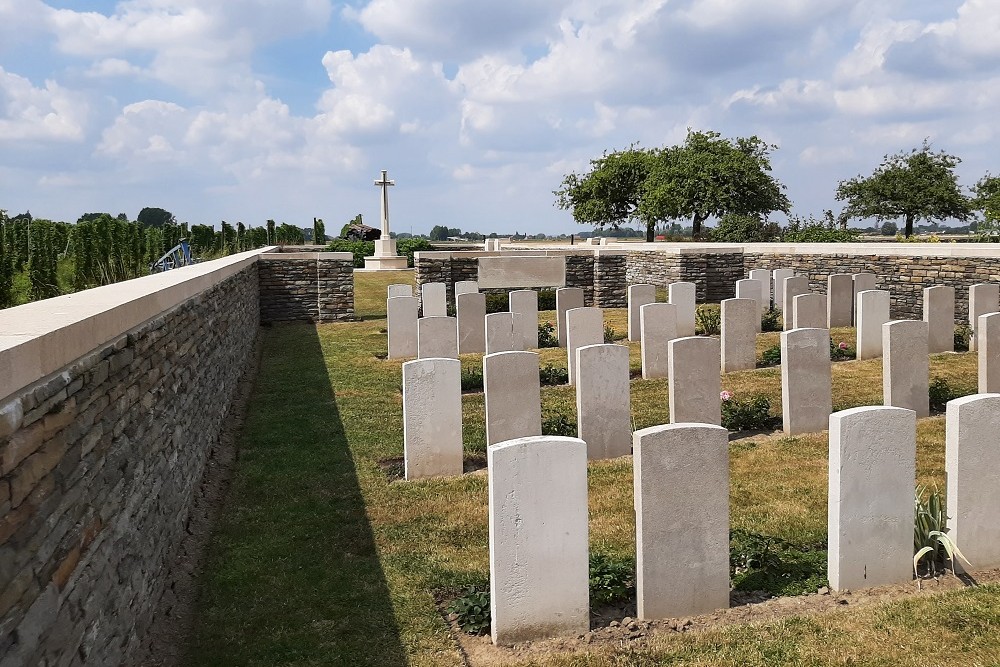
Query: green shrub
472, 610
940, 391
773, 565
751, 413
550, 375
736, 228
360, 249
497, 302
963, 332
409, 246
841, 350
708, 320
558, 423
771, 356
612, 336
930, 539
612, 579
546, 299
472, 379
547, 335
771, 320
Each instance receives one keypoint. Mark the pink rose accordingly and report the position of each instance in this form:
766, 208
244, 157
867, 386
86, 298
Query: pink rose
725, 395
843, 346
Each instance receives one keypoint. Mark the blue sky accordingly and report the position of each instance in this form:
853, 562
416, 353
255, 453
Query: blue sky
254, 109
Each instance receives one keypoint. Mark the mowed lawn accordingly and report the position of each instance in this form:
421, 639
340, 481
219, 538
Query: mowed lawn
323, 556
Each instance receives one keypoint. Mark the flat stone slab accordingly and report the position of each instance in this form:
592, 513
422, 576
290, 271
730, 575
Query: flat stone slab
514, 271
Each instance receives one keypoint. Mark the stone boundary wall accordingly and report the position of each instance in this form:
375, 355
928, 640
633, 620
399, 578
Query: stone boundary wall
306, 286
599, 271
103, 446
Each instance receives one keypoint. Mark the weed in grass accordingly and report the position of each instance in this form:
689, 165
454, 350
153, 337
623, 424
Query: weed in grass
939, 392
770, 320
708, 320
771, 356
612, 578
612, 336
472, 379
963, 332
746, 414
551, 375
558, 423
472, 610
773, 565
547, 335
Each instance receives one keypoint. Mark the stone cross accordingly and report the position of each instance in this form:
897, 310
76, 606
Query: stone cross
384, 183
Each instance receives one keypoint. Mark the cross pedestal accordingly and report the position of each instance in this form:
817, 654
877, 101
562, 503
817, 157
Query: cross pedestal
385, 257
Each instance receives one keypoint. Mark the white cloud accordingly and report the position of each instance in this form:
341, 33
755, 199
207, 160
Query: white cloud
28, 113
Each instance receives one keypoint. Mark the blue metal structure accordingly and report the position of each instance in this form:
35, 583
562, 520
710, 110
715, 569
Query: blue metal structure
179, 255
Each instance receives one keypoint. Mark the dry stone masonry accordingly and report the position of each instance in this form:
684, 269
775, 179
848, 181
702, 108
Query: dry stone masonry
306, 286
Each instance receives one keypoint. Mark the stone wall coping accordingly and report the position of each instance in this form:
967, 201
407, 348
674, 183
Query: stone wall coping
41, 337
282, 256
859, 249
523, 251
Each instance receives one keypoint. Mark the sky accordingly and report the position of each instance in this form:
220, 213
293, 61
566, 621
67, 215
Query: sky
245, 110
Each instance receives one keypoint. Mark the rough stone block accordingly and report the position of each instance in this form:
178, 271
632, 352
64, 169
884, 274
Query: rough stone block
603, 412
400, 289
839, 300
739, 335
682, 566
512, 396
658, 324
501, 335
905, 366
567, 298
638, 296
872, 475
972, 468
939, 314
791, 288
434, 299
809, 311
871, 313
524, 305
984, 298
432, 418
584, 326
436, 337
401, 323
751, 289
988, 352
539, 550
694, 384
778, 279
763, 276
806, 393
684, 295
470, 312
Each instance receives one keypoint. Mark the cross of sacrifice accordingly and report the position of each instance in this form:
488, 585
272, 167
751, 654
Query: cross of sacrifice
384, 183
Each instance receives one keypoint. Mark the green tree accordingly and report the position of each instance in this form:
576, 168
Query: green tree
708, 176
319, 231
271, 238
155, 217
438, 233
915, 185
889, 228
737, 228
6, 264
609, 194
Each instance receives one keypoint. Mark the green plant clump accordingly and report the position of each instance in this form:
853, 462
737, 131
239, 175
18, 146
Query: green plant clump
558, 423
547, 335
771, 320
611, 579
930, 540
497, 302
841, 351
771, 356
708, 320
751, 413
939, 391
546, 299
963, 332
472, 379
472, 610
551, 375
773, 565
612, 336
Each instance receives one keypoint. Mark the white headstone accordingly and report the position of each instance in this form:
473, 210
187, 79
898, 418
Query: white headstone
939, 313
984, 298
584, 326
682, 566
658, 323
809, 311
778, 276
437, 337
751, 289
567, 298
791, 288
806, 394
839, 300
988, 353
638, 296
694, 384
512, 395
401, 324
603, 413
684, 296
972, 468
905, 366
763, 276
400, 289
524, 305
501, 336
470, 309
432, 418
872, 475
872, 312
862, 282
539, 548
434, 299
739, 336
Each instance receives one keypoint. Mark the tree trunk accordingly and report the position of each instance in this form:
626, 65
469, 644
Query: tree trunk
650, 232
696, 225
909, 225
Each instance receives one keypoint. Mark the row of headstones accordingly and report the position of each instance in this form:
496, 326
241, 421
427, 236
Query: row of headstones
538, 514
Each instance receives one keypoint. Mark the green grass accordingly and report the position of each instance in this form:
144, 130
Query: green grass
321, 557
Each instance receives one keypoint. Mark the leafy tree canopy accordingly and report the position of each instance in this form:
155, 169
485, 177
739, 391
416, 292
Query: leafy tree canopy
914, 185
706, 176
987, 198
155, 217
